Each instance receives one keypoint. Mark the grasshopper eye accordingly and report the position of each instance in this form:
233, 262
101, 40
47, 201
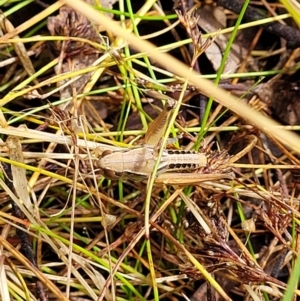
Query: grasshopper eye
106, 153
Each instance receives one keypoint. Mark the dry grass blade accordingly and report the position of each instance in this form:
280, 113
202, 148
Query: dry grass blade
3, 281
35, 271
19, 174
37, 18
19, 48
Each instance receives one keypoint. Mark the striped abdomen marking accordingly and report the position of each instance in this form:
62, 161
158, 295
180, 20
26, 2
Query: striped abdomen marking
184, 160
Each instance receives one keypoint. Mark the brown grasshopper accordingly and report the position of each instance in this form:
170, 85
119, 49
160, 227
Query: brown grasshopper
139, 162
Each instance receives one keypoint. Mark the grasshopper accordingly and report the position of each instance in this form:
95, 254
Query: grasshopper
139, 162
